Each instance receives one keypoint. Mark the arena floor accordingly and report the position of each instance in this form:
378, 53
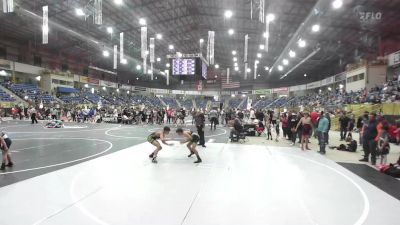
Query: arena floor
69, 176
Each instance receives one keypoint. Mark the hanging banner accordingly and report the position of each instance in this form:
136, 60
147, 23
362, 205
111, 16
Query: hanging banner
8, 6
98, 12
227, 75
246, 66
167, 74
263, 91
115, 56
126, 87
121, 46
110, 84
255, 70
246, 48
143, 36
83, 79
280, 90
145, 65
211, 42
152, 58
93, 81
45, 27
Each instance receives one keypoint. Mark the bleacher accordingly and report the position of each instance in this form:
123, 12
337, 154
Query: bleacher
145, 100
187, 103
171, 102
32, 91
94, 98
233, 103
72, 99
4, 97
201, 103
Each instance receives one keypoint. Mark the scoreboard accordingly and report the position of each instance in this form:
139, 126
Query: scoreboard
182, 66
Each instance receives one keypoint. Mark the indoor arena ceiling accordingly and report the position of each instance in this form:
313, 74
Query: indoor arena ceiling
346, 34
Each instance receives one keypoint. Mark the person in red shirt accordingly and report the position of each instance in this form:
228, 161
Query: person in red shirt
285, 125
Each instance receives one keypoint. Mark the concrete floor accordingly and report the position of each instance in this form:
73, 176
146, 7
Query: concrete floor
73, 179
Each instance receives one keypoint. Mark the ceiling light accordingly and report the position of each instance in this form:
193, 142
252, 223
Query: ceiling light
258, 75
167, 65
262, 47
118, 2
158, 59
259, 55
79, 12
149, 71
292, 54
266, 35
266, 68
142, 21
159, 36
305, 75
270, 17
285, 62
117, 90
137, 78
337, 4
138, 67
127, 92
234, 59
236, 68
248, 70
228, 14
104, 88
302, 43
329, 89
280, 68
38, 78
231, 31
147, 52
3, 73
170, 47
315, 28
235, 64
179, 54
257, 62
110, 30
201, 41
216, 66
233, 52
86, 85
124, 61
106, 53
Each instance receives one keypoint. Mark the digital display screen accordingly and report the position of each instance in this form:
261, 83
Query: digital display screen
204, 70
183, 66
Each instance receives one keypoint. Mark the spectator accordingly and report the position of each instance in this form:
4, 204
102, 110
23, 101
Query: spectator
322, 129
199, 120
344, 125
369, 143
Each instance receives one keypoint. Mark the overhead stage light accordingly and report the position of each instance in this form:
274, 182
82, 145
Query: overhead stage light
302, 43
235, 64
262, 47
201, 41
259, 55
248, 70
285, 62
234, 59
110, 30
337, 4
292, 54
79, 12
138, 67
118, 2
124, 61
106, 53
266, 35
236, 68
158, 59
305, 75
270, 17
228, 14
216, 66
266, 68
233, 52
315, 28
159, 36
280, 68
142, 21
168, 65
170, 47
231, 31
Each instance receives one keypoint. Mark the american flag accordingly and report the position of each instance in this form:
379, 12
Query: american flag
228, 84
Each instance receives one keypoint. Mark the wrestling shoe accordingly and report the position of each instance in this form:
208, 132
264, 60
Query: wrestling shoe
10, 164
154, 160
198, 161
190, 155
151, 155
3, 166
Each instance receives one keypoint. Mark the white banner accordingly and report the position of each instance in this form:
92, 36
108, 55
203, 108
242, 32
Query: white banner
126, 87
178, 92
108, 84
143, 36
152, 58
8, 6
313, 85
115, 57
45, 27
121, 46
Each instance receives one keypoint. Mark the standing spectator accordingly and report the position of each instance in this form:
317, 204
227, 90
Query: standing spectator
307, 128
383, 143
344, 125
285, 125
252, 115
53, 113
292, 119
350, 126
369, 144
33, 115
213, 116
322, 129
199, 120
328, 116
359, 126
